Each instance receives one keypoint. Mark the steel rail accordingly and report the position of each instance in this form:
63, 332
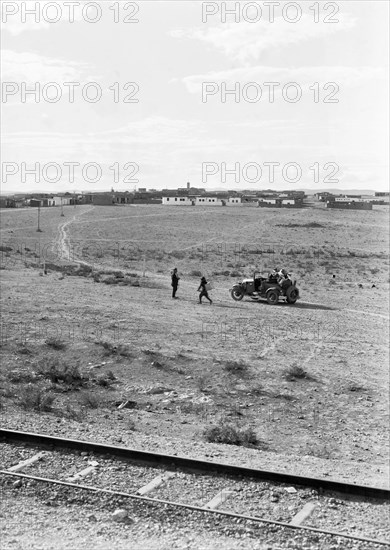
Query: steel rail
186, 463
197, 508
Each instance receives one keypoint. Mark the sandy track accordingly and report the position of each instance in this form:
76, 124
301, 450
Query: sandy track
63, 244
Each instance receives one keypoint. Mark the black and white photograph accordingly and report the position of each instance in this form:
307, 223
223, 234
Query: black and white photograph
194, 266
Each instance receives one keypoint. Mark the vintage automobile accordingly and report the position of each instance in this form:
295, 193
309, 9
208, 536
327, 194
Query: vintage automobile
266, 287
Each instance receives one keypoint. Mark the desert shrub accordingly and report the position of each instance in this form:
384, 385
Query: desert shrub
112, 349
309, 224
257, 389
110, 280
191, 408
285, 396
104, 381
16, 377
235, 273
321, 450
72, 413
230, 435
31, 398
55, 343
179, 370
203, 382
294, 372
57, 372
356, 387
236, 367
158, 365
147, 351
225, 273
90, 400
131, 425
124, 350
150, 283
5, 389
24, 350
178, 254
195, 273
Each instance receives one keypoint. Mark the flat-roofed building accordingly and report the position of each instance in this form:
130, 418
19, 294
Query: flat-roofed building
234, 201
267, 202
177, 201
208, 201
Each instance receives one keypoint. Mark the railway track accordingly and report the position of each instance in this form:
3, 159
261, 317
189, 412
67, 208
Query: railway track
243, 494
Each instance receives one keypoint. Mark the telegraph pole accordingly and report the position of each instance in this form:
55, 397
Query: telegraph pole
39, 230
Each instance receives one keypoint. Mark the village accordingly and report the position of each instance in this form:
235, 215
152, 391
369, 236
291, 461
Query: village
194, 196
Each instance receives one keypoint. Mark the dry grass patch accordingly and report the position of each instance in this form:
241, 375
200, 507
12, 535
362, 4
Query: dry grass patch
203, 382
18, 377
115, 349
55, 343
295, 372
230, 434
106, 380
31, 398
356, 387
59, 372
91, 400
72, 413
24, 350
239, 368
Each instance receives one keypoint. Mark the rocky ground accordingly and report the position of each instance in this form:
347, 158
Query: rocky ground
149, 372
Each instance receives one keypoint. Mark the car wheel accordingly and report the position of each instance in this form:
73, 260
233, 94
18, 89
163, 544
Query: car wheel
237, 294
272, 297
292, 295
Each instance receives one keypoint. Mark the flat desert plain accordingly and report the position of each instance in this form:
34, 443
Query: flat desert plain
95, 348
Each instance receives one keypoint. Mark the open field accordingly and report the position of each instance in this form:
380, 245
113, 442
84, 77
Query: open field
310, 381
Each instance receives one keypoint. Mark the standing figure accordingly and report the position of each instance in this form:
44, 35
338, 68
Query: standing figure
175, 282
203, 291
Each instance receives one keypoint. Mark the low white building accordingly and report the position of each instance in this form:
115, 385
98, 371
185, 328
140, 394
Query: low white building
267, 201
234, 201
208, 201
286, 202
57, 201
177, 201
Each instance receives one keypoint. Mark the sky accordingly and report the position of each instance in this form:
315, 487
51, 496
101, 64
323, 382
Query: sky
152, 128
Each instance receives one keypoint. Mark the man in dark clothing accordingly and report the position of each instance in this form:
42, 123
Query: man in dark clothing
273, 276
203, 290
175, 282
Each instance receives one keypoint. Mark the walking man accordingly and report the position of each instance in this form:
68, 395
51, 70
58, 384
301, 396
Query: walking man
203, 291
175, 282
